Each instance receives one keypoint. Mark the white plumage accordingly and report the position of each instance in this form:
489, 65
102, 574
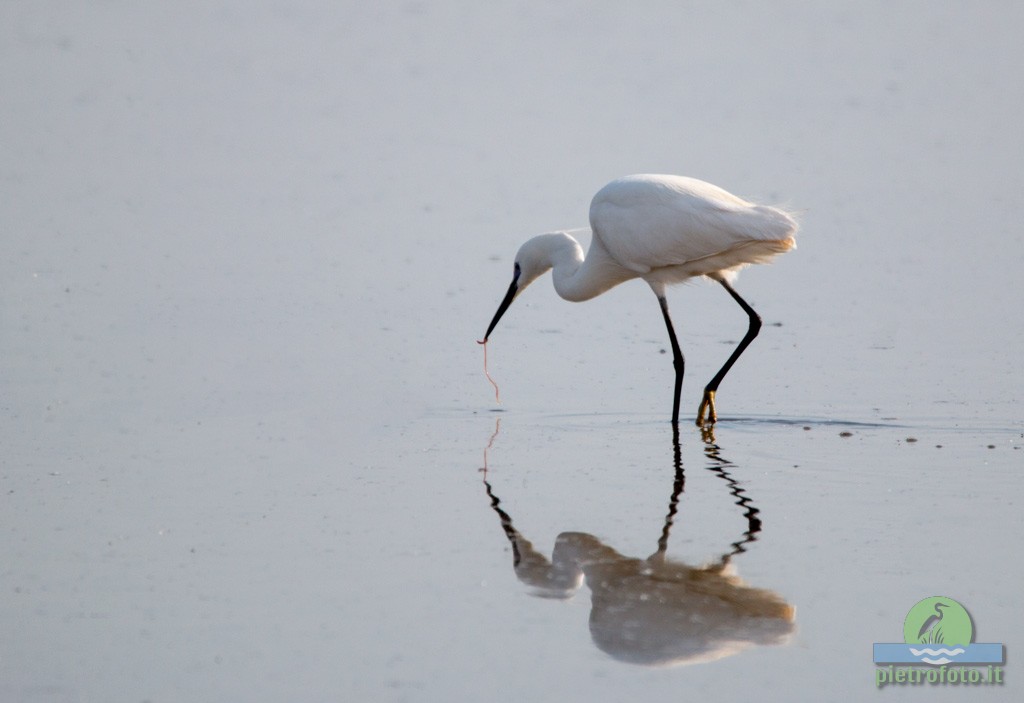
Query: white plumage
646, 223
663, 229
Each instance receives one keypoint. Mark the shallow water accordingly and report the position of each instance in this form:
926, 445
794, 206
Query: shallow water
249, 449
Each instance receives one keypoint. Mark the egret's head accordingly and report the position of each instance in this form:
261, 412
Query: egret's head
532, 260
536, 256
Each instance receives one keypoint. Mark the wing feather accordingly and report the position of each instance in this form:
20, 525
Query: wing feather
650, 222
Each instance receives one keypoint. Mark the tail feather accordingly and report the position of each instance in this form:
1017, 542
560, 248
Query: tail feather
781, 224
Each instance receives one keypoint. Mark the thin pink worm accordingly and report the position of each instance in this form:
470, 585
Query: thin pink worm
497, 395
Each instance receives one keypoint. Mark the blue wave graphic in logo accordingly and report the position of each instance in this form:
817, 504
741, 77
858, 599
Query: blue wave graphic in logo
978, 653
926, 653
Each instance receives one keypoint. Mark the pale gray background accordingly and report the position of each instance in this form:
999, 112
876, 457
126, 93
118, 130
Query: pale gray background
248, 247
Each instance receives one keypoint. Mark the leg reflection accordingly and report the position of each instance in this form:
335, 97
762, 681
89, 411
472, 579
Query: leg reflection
718, 465
658, 611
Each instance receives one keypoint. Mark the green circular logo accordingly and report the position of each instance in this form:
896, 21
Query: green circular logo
938, 620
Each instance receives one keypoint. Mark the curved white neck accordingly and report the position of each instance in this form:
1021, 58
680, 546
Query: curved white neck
577, 278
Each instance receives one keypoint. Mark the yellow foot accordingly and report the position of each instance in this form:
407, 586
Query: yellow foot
706, 411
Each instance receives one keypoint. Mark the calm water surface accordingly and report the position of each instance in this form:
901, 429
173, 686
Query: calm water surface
249, 452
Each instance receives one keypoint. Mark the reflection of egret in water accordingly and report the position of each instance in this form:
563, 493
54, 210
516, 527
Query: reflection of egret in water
657, 611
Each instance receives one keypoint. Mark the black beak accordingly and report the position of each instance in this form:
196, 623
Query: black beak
509, 297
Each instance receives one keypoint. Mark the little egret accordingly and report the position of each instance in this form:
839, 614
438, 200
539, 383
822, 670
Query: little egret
665, 230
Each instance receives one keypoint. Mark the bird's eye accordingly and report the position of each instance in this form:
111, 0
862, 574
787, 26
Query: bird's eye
517, 270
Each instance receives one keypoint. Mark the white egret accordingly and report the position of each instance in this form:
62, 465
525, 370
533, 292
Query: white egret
665, 230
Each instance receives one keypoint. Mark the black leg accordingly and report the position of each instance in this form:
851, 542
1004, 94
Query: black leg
677, 359
707, 405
